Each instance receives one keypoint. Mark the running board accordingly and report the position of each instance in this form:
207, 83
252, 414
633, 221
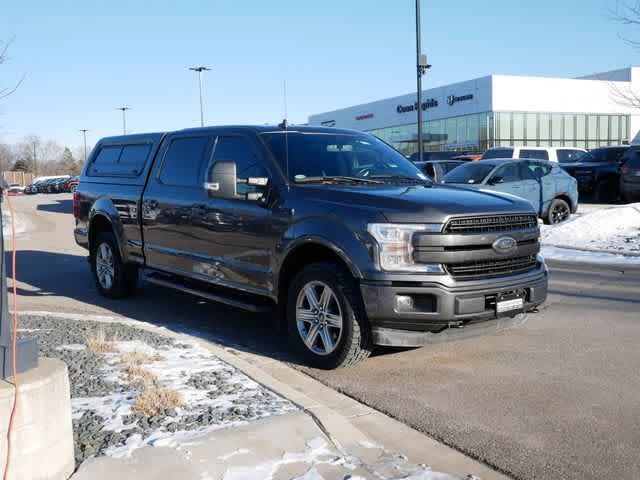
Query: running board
207, 293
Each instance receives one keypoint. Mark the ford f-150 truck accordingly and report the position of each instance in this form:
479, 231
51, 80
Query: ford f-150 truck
333, 229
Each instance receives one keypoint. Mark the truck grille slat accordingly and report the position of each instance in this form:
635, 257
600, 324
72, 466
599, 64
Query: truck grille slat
493, 268
493, 223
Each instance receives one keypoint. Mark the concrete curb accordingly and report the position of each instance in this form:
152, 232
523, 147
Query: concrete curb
345, 421
595, 250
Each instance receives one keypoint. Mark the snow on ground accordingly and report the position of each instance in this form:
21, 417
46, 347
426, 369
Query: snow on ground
387, 466
607, 235
207, 386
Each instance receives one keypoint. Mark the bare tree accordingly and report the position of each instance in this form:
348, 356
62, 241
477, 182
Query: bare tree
4, 49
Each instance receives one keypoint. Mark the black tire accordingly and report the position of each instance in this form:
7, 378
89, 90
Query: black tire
354, 343
124, 276
606, 191
559, 211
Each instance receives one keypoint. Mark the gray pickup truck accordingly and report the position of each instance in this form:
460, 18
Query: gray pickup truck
333, 229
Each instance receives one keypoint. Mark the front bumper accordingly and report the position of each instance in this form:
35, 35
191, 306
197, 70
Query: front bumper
439, 305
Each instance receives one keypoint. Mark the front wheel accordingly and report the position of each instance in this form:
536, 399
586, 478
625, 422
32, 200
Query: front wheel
113, 278
559, 211
326, 318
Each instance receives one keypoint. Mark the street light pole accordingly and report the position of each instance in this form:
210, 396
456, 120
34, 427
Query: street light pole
200, 70
421, 67
124, 108
84, 134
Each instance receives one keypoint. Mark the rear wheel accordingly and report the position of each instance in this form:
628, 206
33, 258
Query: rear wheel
113, 278
326, 318
559, 211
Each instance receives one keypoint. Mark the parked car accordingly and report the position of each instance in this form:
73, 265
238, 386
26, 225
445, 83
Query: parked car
72, 184
598, 172
437, 169
630, 175
59, 185
427, 156
468, 157
553, 154
15, 189
551, 191
335, 229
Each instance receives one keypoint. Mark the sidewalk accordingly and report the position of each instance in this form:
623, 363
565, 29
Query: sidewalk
330, 436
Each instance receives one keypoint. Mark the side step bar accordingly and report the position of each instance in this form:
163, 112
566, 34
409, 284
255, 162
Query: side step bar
207, 293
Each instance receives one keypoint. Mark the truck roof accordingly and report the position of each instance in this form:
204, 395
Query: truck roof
157, 136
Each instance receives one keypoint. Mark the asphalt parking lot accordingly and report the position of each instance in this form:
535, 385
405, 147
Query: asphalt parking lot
556, 398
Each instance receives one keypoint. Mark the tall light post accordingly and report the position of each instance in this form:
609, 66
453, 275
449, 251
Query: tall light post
200, 70
84, 134
124, 108
422, 66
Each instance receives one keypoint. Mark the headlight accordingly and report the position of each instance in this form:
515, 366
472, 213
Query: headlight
395, 246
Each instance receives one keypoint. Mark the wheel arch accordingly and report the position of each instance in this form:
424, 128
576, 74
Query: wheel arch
306, 251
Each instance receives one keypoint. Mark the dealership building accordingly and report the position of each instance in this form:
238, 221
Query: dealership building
505, 110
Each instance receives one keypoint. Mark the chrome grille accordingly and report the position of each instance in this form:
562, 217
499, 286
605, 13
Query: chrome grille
491, 223
493, 268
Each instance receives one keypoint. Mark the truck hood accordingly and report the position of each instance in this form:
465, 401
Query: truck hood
416, 204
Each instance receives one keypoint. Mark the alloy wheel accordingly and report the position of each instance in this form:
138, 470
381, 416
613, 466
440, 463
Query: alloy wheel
105, 266
559, 213
319, 318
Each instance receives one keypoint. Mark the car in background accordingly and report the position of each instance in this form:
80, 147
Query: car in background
598, 172
15, 189
427, 156
630, 175
72, 184
437, 169
468, 157
59, 185
552, 192
553, 154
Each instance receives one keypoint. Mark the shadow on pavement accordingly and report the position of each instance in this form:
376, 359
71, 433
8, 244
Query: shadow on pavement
61, 206
45, 274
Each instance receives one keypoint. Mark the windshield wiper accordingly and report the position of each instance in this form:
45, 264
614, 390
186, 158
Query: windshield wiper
335, 179
401, 178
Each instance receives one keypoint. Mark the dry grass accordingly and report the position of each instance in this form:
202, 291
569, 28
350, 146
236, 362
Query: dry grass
139, 377
134, 359
155, 400
100, 344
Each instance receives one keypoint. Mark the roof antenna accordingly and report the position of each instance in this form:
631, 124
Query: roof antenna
285, 126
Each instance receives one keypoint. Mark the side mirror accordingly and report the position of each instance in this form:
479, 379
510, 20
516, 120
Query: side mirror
222, 180
495, 180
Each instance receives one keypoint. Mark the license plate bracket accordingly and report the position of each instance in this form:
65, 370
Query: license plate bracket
509, 303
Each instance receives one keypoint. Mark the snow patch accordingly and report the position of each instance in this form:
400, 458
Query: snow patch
174, 368
615, 229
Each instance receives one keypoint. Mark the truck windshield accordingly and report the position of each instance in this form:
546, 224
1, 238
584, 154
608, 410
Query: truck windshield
470, 173
317, 155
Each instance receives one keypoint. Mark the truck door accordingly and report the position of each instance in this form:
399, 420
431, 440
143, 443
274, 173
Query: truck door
175, 186
239, 235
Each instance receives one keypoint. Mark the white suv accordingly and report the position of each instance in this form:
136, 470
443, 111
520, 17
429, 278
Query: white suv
554, 154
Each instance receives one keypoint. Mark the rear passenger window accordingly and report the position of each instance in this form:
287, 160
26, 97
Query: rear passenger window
184, 161
537, 154
612, 155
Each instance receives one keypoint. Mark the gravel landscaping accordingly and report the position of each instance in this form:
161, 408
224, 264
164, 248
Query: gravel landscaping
122, 380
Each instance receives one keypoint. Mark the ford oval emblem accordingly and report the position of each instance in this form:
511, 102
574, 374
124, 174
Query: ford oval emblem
505, 245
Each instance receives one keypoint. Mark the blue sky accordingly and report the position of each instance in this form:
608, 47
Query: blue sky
82, 59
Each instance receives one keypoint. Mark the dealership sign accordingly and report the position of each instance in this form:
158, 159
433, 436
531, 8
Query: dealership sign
430, 103
453, 99
366, 116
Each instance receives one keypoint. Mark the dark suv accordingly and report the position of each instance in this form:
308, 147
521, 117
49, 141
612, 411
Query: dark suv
334, 229
630, 175
598, 172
